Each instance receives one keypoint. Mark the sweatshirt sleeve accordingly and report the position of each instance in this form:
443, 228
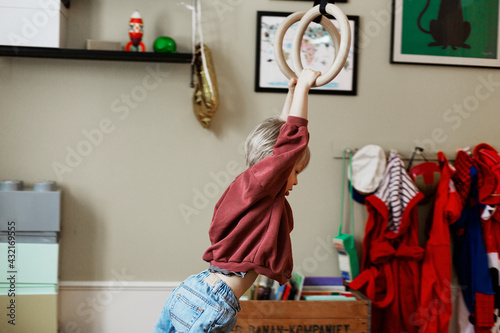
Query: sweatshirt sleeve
273, 171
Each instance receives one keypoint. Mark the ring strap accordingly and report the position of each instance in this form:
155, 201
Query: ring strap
322, 9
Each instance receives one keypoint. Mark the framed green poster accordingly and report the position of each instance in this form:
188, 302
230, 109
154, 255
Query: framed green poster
446, 32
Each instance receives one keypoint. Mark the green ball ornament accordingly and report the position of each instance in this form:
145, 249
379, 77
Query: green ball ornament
164, 45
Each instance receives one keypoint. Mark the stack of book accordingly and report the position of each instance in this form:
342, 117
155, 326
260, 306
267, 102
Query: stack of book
299, 287
330, 288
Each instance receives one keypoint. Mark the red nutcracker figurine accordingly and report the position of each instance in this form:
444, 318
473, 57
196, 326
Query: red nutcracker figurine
135, 33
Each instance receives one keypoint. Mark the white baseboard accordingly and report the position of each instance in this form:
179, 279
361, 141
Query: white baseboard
111, 306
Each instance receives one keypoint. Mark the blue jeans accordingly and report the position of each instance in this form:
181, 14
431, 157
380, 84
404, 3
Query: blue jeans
202, 303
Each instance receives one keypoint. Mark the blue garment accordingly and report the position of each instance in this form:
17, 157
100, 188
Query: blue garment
202, 303
470, 258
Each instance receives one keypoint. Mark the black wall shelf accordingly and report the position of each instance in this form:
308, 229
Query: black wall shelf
47, 52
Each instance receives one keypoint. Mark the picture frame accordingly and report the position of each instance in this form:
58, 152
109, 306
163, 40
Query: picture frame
320, 56
428, 35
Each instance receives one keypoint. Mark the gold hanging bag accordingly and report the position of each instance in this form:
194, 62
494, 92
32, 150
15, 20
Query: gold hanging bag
206, 93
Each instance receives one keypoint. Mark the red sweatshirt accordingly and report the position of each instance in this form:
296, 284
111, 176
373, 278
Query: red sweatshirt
252, 221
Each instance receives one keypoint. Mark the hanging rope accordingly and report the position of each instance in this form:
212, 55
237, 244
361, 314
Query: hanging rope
196, 27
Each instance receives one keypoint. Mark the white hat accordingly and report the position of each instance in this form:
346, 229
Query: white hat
368, 167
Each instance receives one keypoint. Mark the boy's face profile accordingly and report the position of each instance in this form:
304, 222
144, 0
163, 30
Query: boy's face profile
293, 177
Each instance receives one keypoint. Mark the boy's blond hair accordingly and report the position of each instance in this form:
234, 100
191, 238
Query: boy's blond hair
260, 142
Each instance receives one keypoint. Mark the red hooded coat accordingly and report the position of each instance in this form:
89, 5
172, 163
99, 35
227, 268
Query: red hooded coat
390, 275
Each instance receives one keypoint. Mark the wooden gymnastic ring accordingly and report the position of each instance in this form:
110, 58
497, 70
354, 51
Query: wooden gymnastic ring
345, 42
280, 35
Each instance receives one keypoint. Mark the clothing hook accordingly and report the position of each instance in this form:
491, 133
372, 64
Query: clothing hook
416, 150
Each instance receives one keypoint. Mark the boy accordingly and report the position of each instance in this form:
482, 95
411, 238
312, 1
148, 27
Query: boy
250, 230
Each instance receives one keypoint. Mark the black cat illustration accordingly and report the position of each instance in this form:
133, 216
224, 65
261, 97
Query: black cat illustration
449, 29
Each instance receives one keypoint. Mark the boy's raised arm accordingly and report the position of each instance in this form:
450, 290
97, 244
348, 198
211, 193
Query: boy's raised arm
305, 81
289, 97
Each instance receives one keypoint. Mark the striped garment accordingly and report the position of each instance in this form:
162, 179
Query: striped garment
396, 190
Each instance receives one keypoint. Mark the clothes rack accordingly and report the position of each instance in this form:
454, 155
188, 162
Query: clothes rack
416, 151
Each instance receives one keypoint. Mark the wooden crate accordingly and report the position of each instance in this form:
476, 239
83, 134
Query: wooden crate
304, 317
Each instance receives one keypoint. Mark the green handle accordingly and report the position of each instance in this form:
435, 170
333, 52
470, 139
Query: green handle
346, 151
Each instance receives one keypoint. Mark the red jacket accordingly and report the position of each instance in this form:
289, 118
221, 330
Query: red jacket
252, 221
435, 298
390, 275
